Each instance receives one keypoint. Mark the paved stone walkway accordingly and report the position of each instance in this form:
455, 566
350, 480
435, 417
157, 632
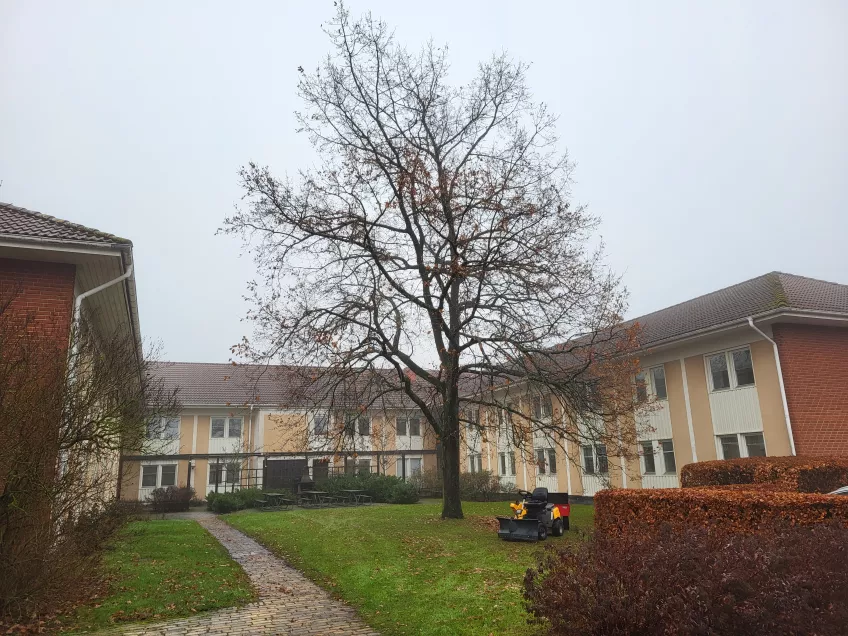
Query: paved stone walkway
289, 603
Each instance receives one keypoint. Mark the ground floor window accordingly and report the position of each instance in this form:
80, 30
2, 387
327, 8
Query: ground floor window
224, 473
741, 445
658, 457
475, 463
507, 463
158, 475
595, 460
546, 461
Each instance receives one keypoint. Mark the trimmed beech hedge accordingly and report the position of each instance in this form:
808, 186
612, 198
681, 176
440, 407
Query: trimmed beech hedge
795, 474
724, 509
788, 582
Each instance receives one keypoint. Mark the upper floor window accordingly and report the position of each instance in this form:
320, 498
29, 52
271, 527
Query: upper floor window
406, 425
730, 369
641, 387
658, 382
164, 428
359, 422
542, 406
226, 427
321, 423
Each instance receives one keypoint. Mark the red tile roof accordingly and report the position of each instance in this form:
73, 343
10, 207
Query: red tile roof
27, 224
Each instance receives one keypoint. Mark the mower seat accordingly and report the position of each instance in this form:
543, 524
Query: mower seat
540, 495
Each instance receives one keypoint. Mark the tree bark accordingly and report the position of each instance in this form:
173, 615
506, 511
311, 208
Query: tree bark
451, 502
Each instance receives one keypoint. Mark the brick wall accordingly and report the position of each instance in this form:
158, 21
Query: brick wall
42, 291
815, 373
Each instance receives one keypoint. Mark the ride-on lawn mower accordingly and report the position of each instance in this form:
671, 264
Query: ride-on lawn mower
538, 514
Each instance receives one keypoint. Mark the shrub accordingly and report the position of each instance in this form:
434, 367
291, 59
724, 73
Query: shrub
727, 509
482, 486
797, 474
171, 499
404, 493
223, 502
774, 583
378, 487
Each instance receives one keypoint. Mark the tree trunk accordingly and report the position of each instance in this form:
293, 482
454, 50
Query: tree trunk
451, 503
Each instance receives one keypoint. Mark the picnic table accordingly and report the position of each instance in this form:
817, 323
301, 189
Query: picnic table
278, 500
357, 497
316, 497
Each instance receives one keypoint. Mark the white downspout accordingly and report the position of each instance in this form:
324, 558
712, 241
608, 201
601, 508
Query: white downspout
780, 380
99, 288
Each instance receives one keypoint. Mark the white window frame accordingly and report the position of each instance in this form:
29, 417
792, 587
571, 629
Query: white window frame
741, 441
595, 463
227, 419
731, 370
652, 385
543, 407
225, 473
313, 417
545, 468
507, 463
160, 428
660, 467
159, 475
412, 415
475, 462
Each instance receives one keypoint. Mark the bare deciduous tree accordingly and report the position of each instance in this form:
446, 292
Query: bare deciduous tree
68, 408
434, 249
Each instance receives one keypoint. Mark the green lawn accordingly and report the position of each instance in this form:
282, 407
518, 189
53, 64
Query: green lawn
406, 570
164, 569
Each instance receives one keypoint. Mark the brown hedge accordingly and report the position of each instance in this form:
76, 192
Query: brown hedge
722, 509
794, 474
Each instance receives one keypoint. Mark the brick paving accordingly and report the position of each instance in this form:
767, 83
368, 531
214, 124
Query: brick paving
289, 603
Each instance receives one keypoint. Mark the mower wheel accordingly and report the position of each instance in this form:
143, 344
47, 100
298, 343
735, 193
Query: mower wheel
558, 527
543, 532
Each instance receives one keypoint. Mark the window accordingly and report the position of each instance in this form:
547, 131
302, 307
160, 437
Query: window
363, 466
321, 423
658, 380
216, 474
166, 428
731, 369
511, 463
540, 461
743, 367
603, 464
233, 471
588, 460
364, 426
503, 463
415, 426
552, 467
414, 466
226, 427
158, 475
729, 446
667, 447
542, 406
718, 372
641, 387
400, 426
742, 445
169, 475
650, 467
148, 476
755, 444
475, 463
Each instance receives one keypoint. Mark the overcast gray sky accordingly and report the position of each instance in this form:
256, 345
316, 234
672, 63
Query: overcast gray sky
710, 137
